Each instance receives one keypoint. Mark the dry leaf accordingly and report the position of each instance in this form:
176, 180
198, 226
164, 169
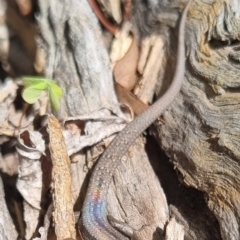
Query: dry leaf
128, 98
30, 147
29, 184
125, 69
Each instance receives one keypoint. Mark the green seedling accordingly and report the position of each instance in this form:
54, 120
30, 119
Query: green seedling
34, 86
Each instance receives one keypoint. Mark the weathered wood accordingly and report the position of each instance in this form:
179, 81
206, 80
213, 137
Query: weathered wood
201, 134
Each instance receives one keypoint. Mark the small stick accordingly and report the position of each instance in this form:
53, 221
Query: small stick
110, 27
63, 215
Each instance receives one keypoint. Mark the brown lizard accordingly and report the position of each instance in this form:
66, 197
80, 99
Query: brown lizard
93, 223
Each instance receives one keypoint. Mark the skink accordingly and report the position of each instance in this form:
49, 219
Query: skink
93, 223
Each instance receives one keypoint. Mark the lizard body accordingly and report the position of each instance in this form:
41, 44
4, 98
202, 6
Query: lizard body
93, 223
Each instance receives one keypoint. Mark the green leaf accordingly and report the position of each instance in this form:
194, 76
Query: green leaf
55, 93
31, 81
31, 95
34, 86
